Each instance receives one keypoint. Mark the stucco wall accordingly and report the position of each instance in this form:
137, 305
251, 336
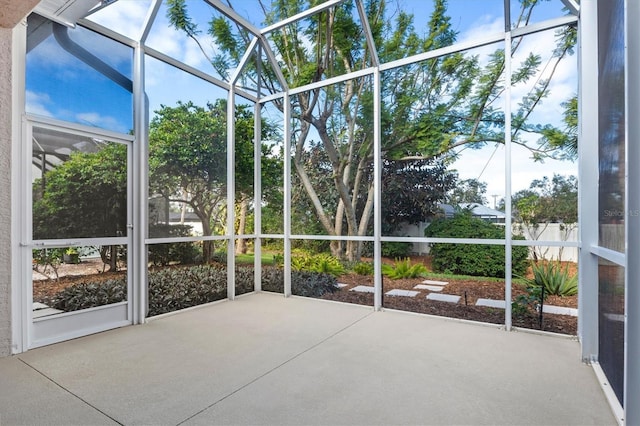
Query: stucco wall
5, 191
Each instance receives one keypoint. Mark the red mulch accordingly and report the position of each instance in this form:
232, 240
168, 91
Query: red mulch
473, 288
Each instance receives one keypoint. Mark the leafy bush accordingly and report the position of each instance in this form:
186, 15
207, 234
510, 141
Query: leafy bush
395, 249
88, 294
324, 263
164, 254
171, 289
363, 268
528, 303
175, 288
555, 279
403, 269
219, 257
472, 259
303, 283
244, 279
278, 259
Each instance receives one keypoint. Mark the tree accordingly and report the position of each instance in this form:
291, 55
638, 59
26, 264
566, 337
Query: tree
547, 201
411, 191
84, 197
468, 191
430, 109
187, 161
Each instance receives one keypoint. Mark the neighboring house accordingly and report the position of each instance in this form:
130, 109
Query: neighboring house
551, 231
477, 210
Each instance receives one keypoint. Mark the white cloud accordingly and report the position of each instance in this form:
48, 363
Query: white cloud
98, 120
485, 25
37, 103
125, 17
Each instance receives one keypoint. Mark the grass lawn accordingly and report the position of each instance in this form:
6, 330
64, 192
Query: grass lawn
247, 259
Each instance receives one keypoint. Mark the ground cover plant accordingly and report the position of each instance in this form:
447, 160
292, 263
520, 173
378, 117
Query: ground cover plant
178, 286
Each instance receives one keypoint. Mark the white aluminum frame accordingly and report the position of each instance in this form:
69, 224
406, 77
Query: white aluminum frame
259, 46
64, 326
589, 251
632, 222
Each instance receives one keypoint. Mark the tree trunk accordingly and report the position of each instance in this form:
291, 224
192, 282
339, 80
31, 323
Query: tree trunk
207, 246
241, 244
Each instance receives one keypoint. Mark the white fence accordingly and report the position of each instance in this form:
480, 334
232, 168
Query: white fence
548, 232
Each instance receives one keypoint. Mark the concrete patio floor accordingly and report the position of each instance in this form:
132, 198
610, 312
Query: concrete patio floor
264, 359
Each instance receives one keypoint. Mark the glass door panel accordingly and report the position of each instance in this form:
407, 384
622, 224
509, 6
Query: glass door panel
79, 202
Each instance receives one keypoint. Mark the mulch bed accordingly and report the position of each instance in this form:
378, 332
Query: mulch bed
469, 290
473, 288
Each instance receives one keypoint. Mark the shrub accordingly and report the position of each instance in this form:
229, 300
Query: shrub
219, 257
89, 294
175, 288
278, 259
166, 253
395, 249
317, 263
389, 249
555, 279
403, 269
472, 259
303, 283
171, 289
363, 268
244, 279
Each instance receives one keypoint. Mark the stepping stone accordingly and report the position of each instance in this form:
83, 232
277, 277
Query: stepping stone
428, 287
341, 285
432, 282
492, 303
38, 306
363, 289
407, 293
443, 297
560, 310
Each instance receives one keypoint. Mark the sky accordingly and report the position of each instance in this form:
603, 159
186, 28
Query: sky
60, 86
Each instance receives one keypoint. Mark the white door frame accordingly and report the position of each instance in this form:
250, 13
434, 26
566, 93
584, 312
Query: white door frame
64, 326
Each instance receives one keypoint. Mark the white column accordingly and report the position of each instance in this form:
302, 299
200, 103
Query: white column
377, 197
588, 178
231, 194
507, 181
139, 174
632, 222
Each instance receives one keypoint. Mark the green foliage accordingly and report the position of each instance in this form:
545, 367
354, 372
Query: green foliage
402, 268
175, 288
472, 259
244, 279
188, 151
411, 191
431, 109
395, 249
171, 289
554, 278
547, 200
47, 259
528, 303
323, 263
219, 257
278, 259
363, 268
303, 283
166, 253
468, 191
88, 294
